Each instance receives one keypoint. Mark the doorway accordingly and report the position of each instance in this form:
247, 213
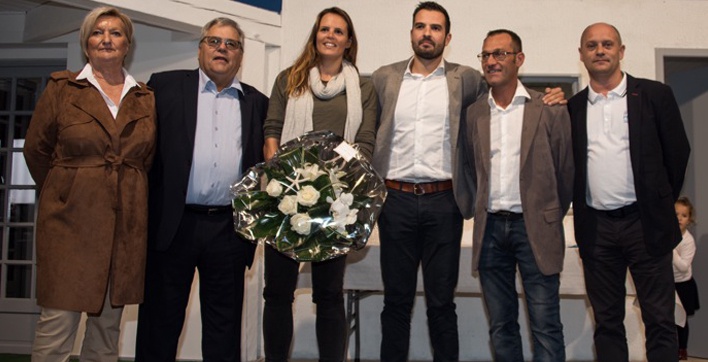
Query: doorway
21, 83
686, 71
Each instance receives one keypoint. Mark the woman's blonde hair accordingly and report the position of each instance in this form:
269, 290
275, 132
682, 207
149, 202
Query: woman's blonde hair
298, 77
90, 22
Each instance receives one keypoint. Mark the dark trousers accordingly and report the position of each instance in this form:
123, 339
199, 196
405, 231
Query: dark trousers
619, 245
281, 274
682, 333
688, 293
209, 244
419, 230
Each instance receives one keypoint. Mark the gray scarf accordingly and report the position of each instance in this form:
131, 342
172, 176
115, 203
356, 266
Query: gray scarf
298, 112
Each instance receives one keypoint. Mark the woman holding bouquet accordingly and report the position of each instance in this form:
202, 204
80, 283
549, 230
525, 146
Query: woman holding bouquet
320, 91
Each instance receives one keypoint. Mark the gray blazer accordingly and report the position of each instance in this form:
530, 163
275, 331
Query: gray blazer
464, 84
546, 176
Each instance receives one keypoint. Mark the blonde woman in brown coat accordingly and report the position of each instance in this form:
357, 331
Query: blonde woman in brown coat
89, 145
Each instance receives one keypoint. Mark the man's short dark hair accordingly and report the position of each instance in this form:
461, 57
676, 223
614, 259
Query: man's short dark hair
433, 6
515, 39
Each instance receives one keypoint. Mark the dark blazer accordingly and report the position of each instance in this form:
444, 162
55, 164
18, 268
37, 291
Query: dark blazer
176, 95
545, 176
659, 152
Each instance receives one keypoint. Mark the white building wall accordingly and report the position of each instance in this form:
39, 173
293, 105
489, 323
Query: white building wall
550, 30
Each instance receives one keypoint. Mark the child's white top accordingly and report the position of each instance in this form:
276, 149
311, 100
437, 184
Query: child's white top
683, 257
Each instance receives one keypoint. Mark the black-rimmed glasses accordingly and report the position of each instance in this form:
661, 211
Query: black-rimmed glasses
498, 55
214, 42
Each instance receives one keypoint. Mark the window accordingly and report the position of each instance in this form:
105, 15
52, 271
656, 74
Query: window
20, 87
569, 85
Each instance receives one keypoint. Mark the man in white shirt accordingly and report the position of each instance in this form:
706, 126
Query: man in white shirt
210, 129
631, 152
521, 153
420, 101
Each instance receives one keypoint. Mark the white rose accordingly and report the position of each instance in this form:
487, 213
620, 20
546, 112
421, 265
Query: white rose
308, 196
288, 205
274, 188
300, 223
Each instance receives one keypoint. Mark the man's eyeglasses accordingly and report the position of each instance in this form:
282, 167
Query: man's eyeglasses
214, 42
498, 55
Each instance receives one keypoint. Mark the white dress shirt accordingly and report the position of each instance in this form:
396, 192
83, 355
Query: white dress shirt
610, 178
129, 82
505, 151
421, 148
217, 157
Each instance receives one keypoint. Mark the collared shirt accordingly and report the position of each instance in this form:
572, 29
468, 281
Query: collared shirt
129, 82
216, 164
505, 151
610, 178
421, 147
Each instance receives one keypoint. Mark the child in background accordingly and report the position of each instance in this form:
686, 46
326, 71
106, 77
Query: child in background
683, 276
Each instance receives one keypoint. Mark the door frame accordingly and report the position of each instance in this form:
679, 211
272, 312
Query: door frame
700, 320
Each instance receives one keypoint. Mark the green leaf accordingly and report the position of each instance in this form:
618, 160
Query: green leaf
267, 225
253, 201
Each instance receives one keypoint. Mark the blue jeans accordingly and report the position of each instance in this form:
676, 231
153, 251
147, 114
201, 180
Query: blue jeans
505, 245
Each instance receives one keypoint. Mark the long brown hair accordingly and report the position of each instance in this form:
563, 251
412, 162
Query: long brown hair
298, 77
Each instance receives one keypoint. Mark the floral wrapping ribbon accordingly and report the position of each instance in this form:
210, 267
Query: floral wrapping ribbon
316, 199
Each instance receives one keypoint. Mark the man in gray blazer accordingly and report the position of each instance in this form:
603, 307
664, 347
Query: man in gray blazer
420, 103
522, 157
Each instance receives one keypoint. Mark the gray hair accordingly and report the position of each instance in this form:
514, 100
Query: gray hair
221, 21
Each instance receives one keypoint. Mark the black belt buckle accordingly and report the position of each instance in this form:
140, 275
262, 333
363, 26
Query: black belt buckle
209, 210
215, 210
418, 189
622, 211
507, 215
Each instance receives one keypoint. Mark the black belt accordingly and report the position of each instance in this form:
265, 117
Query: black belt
621, 212
506, 215
209, 209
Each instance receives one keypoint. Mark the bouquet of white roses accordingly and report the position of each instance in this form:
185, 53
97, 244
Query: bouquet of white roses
316, 199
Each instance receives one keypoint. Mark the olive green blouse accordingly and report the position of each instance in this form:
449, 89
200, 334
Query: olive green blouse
328, 114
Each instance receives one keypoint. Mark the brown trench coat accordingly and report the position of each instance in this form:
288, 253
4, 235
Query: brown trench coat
91, 171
